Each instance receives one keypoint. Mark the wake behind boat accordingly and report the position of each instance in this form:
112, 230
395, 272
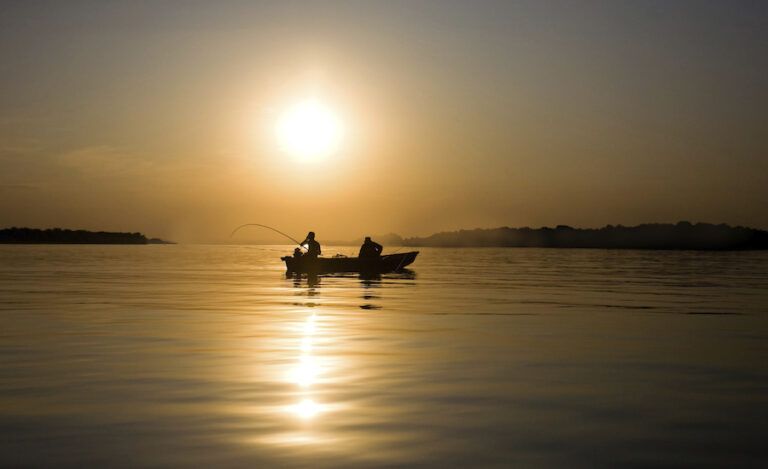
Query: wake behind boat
326, 265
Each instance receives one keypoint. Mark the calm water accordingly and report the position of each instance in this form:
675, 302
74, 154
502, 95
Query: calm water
208, 355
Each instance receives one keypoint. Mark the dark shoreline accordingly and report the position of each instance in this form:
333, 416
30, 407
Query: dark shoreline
653, 236
681, 236
63, 236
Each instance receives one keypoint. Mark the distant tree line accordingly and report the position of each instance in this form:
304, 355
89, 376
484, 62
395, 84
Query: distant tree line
683, 235
63, 236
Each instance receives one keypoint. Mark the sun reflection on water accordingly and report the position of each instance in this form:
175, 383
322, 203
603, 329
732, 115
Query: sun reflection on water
306, 409
306, 371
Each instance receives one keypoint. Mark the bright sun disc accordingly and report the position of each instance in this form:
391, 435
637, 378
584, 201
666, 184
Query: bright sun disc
309, 131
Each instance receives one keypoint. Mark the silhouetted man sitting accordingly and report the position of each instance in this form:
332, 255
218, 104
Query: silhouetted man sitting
313, 247
370, 249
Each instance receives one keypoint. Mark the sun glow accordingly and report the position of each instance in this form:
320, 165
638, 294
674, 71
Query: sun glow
309, 131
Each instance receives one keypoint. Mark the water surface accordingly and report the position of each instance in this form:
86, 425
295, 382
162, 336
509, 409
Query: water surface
208, 355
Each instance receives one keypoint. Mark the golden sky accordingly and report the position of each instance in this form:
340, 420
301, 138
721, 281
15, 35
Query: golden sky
162, 118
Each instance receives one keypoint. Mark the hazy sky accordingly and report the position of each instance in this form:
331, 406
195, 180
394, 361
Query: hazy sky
160, 116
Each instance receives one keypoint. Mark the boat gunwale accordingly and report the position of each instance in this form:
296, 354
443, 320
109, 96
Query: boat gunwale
347, 264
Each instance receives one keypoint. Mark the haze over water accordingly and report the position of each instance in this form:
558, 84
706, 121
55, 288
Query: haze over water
183, 120
208, 355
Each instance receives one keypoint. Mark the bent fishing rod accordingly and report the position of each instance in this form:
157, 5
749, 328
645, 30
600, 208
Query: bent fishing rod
269, 228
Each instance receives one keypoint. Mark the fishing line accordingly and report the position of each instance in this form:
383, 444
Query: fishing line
269, 228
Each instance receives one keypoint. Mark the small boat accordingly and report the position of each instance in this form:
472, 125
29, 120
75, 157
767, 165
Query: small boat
327, 265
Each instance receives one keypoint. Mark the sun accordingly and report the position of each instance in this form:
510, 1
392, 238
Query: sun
309, 131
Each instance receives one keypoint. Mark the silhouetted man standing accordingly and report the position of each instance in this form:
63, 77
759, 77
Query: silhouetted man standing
370, 249
313, 247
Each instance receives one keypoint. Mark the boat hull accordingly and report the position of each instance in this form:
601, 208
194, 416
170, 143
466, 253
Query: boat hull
327, 265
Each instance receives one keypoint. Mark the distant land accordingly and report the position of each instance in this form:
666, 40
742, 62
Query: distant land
62, 236
679, 236
682, 235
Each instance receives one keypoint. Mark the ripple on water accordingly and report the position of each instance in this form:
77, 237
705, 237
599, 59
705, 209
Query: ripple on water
208, 355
